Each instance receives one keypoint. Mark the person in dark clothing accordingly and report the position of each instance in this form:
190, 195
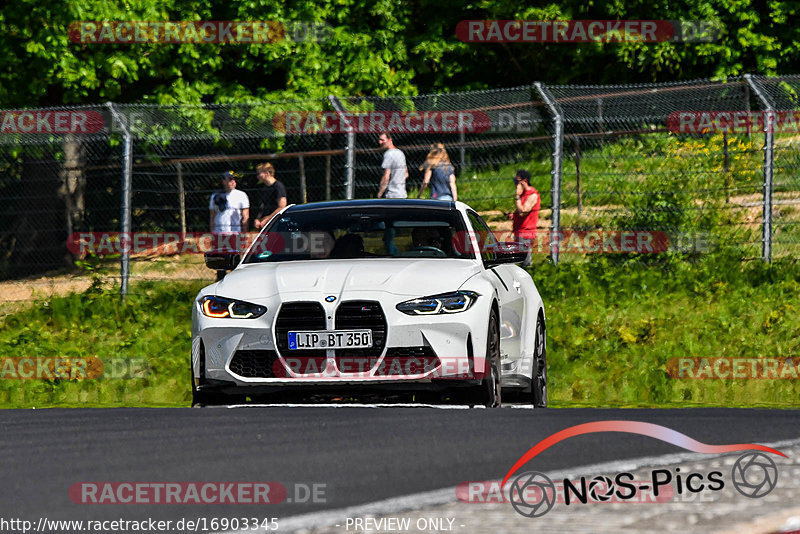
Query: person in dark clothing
272, 197
348, 246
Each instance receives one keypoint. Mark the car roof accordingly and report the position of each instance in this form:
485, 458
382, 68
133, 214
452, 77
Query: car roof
377, 203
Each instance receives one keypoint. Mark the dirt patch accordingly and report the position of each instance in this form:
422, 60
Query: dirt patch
45, 287
42, 287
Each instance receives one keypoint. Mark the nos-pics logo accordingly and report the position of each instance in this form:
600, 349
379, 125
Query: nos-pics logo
533, 494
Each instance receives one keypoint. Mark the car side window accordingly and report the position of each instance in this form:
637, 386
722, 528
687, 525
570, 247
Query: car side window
487, 243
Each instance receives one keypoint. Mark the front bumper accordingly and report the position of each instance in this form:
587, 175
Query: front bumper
418, 352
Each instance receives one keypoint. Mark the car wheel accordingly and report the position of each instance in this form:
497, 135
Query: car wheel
489, 391
539, 381
200, 397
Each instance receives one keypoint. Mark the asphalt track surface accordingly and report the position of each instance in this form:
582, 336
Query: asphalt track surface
361, 454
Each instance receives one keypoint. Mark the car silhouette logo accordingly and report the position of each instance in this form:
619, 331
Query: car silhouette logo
330, 298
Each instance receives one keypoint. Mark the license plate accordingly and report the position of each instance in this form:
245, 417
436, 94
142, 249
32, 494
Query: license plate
330, 339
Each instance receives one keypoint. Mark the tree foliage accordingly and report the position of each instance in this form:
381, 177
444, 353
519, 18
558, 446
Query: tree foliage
376, 47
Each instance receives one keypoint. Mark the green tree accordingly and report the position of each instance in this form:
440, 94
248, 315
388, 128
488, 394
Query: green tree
378, 47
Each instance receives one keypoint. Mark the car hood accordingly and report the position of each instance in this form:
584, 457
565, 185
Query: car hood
412, 277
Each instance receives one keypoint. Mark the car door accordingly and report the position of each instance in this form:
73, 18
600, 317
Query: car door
508, 291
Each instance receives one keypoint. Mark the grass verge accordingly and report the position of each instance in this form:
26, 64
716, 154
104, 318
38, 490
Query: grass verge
143, 342
612, 326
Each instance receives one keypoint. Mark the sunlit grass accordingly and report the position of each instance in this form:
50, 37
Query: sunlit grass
612, 327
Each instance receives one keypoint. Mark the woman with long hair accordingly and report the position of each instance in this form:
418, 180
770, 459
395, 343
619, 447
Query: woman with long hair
440, 174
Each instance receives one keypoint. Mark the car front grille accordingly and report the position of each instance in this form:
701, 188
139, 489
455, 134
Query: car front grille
350, 315
256, 364
297, 316
361, 315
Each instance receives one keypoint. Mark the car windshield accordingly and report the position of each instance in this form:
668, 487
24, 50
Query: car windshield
339, 233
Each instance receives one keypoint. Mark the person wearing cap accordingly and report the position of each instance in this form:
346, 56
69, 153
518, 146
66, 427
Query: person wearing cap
230, 211
525, 217
230, 208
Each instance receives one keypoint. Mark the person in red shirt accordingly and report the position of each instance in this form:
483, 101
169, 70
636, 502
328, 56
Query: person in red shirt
526, 215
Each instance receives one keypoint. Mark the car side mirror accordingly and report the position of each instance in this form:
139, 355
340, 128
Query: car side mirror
508, 252
222, 262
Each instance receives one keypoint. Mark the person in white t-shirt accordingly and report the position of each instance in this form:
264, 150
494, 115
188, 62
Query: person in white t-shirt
230, 208
395, 172
230, 212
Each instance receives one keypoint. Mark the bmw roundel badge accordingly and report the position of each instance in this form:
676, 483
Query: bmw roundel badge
330, 298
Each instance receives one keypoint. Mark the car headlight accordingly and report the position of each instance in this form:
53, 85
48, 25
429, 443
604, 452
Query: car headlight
457, 301
220, 307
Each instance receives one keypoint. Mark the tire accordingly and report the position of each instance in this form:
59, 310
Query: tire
200, 397
489, 392
539, 379
197, 397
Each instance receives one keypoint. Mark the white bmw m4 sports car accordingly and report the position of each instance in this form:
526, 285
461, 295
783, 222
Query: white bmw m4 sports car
375, 295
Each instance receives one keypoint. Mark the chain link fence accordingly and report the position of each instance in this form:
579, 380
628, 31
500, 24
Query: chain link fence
627, 166
781, 193
658, 158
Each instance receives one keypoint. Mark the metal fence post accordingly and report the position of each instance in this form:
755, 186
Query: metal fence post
462, 160
769, 146
181, 199
302, 168
127, 171
578, 172
558, 149
747, 108
328, 169
350, 150
600, 122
